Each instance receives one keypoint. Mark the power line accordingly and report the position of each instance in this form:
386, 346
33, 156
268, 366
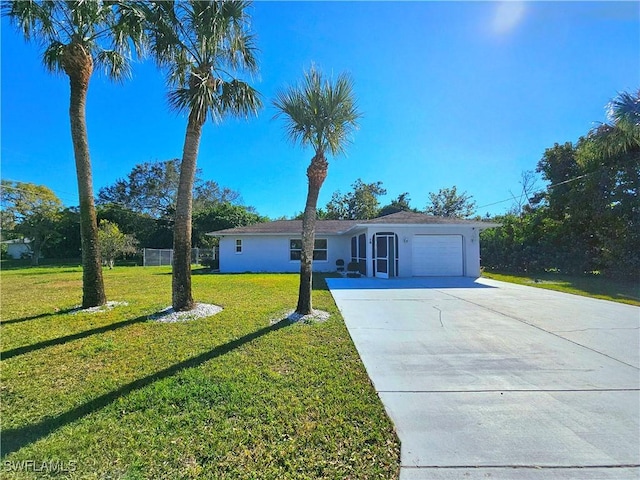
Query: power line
549, 187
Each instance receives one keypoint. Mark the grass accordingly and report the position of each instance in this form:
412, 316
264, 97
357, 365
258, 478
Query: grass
115, 395
588, 286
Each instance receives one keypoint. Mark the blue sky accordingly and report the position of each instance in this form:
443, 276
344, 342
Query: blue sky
453, 93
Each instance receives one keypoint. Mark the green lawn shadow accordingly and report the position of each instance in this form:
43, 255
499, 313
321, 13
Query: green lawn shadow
40, 315
14, 352
12, 440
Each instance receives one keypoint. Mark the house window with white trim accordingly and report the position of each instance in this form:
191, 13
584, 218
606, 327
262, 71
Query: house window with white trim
238, 245
319, 249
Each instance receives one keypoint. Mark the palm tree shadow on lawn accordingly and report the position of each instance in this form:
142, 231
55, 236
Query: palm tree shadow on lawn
39, 315
12, 440
14, 352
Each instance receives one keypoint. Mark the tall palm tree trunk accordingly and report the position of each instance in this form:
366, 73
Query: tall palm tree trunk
182, 298
316, 173
78, 65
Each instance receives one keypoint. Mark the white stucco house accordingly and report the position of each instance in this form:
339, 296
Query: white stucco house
403, 244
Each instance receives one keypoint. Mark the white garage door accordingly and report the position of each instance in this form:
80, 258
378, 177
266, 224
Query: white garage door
437, 256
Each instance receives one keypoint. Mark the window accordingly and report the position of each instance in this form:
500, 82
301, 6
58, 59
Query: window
359, 252
319, 250
362, 246
238, 245
295, 249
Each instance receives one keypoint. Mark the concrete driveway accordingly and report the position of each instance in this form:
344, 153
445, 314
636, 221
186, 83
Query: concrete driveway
485, 379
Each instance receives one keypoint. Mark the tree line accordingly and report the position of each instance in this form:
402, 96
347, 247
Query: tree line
363, 203
587, 219
138, 211
135, 211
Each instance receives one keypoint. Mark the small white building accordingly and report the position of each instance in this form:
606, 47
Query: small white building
18, 248
404, 244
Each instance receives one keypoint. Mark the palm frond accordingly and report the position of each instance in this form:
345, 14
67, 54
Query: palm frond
115, 65
182, 100
203, 46
165, 38
52, 57
625, 108
242, 52
87, 17
129, 27
33, 19
239, 98
623, 133
318, 112
106, 29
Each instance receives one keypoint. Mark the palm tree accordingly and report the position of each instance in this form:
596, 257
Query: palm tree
622, 134
321, 114
76, 36
202, 46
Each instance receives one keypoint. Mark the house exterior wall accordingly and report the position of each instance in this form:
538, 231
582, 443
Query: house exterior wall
470, 246
271, 253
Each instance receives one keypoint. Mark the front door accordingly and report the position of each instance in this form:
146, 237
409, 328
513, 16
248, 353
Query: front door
385, 256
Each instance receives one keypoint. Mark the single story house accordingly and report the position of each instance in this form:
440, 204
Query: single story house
403, 244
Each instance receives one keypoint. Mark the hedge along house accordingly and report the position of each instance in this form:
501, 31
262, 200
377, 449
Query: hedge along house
404, 244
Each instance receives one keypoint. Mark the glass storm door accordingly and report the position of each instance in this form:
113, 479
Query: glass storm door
386, 255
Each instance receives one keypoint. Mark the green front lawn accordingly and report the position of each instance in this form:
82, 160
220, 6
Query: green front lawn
115, 395
588, 286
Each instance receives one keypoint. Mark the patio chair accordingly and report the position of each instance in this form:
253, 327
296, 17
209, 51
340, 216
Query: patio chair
353, 270
340, 266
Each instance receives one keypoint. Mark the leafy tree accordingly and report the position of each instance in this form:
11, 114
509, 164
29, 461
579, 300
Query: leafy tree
32, 210
555, 232
151, 188
66, 243
359, 204
150, 232
400, 204
219, 217
448, 203
609, 210
530, 242
114, 243
77, 36
201, 45
209, 194
588, 218
560, 168
322, 114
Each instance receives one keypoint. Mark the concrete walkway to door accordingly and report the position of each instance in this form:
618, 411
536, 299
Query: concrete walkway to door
485, 379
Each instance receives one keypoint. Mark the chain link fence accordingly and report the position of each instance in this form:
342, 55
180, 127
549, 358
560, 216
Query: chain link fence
155, 257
